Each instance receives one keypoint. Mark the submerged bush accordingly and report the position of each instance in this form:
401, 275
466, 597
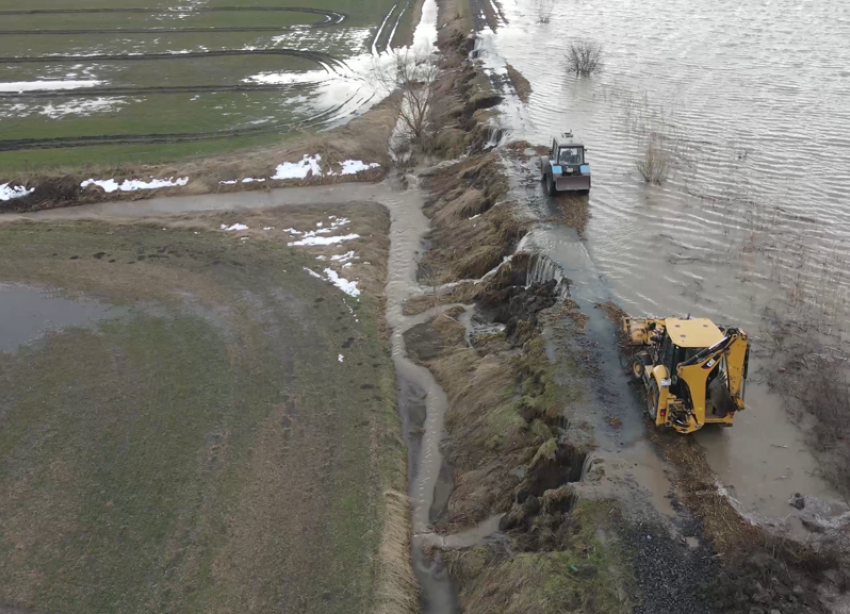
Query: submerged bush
584, 57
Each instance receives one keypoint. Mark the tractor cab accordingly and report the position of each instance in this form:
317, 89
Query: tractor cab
565, 169
568, 155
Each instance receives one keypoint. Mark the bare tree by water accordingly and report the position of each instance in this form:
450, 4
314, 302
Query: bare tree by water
545, 8
413, 74
654, 166
584, 57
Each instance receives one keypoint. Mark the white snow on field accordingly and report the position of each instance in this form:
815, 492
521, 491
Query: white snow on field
28, 86
349, 287
82, 107
131, 185
309, 241
340, 358
285, 78
8, 192
236, 226
299, 170
352, 167
345, 257
228, 182
252, 180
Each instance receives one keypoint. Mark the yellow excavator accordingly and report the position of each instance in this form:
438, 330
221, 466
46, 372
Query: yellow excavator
693, 372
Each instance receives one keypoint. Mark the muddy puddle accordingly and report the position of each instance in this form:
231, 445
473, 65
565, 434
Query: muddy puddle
753, 216
30, 313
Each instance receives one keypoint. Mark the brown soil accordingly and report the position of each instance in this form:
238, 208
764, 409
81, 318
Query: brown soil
522, 87
364, 138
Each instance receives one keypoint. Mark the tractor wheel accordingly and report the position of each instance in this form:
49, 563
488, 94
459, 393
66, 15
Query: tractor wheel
548, 185
652, 400
640, 363
637, 369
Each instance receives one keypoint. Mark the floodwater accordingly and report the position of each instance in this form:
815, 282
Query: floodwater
749, 103
29, 313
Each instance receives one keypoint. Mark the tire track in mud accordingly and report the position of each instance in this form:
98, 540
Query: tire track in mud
98, 92
314, 121
332, 18
315, 56
329, 63
398, 9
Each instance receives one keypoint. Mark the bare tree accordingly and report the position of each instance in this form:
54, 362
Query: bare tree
584, 57
655, 164
545, 8
413, 74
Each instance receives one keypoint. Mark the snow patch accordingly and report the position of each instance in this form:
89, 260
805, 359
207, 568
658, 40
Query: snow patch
8, 192
299, 170
340, 358
28, 86
345, 257
352, 167
349, 287
236, 226
307, 241
131, 185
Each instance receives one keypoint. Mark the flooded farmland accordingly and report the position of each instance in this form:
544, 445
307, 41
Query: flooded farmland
130, 83
749, 104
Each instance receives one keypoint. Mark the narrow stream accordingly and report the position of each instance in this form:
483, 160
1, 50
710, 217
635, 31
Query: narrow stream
751, 103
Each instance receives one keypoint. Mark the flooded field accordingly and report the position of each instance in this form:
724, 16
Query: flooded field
748, 104
111, 82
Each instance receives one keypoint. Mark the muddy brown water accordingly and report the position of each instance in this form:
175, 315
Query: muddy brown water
750, 102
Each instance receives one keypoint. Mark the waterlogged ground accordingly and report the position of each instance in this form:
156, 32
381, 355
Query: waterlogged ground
191, 410
112, 82
751, 227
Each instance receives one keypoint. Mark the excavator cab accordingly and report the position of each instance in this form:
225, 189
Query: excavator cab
693, 372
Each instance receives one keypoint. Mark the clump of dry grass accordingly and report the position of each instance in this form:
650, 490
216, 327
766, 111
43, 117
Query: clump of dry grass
584, 57
467, 248
397, 591
522, 86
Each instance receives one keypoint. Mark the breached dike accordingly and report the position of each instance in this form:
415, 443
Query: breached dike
132, 185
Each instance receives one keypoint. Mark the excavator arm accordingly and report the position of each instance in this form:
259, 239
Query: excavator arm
726, 389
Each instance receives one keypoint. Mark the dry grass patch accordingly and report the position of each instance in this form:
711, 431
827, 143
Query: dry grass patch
470, 234
522, 86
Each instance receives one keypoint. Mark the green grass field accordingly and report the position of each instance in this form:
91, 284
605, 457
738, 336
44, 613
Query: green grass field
146, 87
207, 452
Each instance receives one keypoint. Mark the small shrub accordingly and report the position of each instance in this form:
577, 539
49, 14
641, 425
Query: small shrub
584, 58
655, 164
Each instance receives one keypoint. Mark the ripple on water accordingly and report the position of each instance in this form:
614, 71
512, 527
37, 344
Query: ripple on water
756, 208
